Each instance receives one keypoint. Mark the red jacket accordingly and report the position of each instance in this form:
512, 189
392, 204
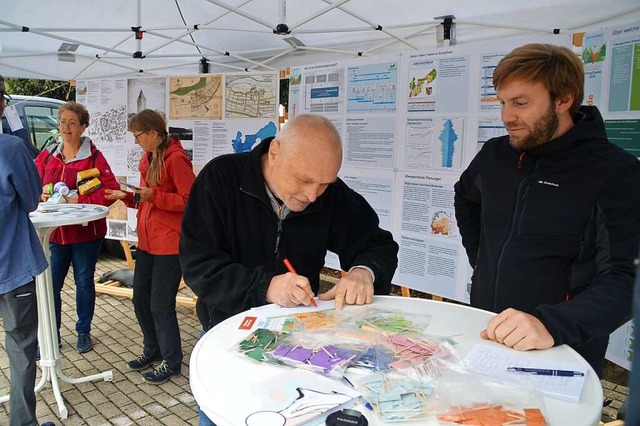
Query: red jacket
53, 169
160, 218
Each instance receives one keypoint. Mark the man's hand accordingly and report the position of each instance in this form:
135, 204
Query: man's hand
355, 288
289, 290
518, 330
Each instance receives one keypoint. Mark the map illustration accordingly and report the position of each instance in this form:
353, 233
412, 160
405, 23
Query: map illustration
247, 143
195, 97
250, 96
416, 85
108, 126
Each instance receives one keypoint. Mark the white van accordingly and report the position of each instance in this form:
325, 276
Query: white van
39, 118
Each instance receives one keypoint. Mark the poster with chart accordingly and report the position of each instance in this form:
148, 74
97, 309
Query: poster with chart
611, 60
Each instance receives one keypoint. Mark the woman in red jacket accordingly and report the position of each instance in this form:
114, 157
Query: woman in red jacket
76, 244
166, 176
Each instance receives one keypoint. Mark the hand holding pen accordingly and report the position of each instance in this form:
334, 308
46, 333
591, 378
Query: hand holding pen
293, 271
290, 289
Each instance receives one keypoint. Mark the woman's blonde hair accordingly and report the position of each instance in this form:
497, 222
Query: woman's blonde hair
145, 121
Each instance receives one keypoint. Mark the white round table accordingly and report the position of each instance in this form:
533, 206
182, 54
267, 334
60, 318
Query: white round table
213, 366
45, 219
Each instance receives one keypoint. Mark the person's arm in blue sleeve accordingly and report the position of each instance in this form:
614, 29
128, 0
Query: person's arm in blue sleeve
25, 179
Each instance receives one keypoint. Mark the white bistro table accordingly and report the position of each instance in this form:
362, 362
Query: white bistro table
213, 366
45, 219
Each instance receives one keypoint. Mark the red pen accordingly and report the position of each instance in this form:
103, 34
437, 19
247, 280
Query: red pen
293, 271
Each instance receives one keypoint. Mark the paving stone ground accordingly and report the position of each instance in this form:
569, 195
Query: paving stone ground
128, 400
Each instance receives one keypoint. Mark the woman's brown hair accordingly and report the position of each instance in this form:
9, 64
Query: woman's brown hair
78, 109
145, 121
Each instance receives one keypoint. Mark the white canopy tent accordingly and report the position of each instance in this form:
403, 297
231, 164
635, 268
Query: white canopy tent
72, 39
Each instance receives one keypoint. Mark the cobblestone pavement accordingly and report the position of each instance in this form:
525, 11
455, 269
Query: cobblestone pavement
117, 338
128, 400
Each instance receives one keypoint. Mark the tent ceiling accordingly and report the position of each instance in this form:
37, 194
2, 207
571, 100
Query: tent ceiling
238, 34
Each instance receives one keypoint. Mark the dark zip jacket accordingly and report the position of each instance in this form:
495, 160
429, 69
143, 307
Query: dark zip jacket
554, 232
233, 243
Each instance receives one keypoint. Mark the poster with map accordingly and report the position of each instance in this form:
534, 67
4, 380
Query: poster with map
197, 97
251, 96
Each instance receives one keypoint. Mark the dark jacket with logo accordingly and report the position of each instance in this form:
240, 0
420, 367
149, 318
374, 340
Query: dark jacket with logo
233, 243
554, 232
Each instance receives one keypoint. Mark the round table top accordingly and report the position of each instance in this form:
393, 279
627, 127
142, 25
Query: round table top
52, 215
215, 367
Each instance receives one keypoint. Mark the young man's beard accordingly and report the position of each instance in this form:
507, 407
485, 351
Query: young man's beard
540, 132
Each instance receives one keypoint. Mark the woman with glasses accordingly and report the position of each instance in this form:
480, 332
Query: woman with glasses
76, 244
166, 176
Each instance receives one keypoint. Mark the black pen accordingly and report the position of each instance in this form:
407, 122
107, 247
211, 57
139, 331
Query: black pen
545, 371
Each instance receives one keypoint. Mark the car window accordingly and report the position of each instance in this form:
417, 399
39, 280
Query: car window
43, 124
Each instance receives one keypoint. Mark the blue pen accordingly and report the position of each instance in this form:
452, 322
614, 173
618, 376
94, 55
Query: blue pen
347, 381
545, 371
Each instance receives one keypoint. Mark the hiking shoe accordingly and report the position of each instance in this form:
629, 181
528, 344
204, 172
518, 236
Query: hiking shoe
142, 362
84, 343
160, 374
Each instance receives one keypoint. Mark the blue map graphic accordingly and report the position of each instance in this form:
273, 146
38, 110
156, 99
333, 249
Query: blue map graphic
250, 140
448, 137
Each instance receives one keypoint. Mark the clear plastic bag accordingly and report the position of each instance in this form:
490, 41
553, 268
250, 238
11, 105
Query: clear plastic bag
470, 399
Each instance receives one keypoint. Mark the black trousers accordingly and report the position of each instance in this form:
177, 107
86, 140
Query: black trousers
155, 286
19, 312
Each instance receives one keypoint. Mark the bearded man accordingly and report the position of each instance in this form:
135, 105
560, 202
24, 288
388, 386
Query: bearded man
550, 214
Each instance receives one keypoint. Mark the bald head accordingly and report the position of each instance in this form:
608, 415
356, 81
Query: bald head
303, 160
309, 129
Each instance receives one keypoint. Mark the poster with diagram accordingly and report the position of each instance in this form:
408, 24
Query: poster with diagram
612, 84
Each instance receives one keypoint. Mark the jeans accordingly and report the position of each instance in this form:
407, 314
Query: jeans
203, 419
19, 312
83, 256
155, 286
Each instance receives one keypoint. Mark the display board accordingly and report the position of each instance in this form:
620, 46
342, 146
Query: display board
411, 123
612, 83
211, 114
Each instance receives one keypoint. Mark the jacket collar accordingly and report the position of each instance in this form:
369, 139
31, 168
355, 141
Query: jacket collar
83, 153
587, 125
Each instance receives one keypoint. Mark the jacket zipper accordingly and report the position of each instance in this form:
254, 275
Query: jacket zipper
520, 160
519, 201
64, 168
567, 294
279, 231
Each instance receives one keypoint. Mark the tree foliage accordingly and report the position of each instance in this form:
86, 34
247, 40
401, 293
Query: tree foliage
48, 88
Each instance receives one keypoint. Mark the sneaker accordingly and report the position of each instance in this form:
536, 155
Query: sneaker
84, 343
142, 362
160, 374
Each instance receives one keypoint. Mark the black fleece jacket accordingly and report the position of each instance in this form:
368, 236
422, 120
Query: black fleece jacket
554, 232
232, 242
